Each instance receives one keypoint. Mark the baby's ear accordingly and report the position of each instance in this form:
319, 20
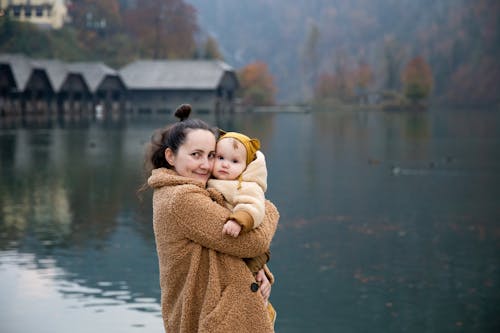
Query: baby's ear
255, 144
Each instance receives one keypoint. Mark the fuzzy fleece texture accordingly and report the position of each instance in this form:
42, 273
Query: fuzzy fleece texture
205, 284
247, 199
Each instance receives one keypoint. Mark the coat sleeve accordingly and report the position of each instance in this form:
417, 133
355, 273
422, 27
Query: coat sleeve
250, 198
200, 219
246, 199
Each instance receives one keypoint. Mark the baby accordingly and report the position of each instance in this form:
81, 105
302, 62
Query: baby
241, 176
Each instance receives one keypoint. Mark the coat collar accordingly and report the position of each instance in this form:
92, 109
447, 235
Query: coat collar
166, 177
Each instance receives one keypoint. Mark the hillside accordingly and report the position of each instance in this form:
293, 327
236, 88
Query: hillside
300, 39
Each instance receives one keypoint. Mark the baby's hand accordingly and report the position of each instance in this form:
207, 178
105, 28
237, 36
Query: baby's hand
231, 228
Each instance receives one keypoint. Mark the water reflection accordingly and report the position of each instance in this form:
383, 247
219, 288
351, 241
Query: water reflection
55, 302
69, 217
388, 221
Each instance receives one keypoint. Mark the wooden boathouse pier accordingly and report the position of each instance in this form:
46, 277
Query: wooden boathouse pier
31, 86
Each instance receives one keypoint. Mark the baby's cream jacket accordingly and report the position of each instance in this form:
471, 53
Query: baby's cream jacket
246, 198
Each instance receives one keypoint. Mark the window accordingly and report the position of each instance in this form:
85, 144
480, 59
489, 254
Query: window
16, 10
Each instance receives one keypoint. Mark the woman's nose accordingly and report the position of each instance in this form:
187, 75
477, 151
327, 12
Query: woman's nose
206, 163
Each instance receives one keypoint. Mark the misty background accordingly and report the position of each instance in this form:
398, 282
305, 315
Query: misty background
388, 217
300, 41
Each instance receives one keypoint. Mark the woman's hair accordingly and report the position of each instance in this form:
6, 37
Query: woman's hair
172, 136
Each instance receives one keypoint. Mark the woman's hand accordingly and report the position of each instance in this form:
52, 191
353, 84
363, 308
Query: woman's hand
265, 285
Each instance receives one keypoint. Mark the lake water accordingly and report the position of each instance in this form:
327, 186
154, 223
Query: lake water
390, 222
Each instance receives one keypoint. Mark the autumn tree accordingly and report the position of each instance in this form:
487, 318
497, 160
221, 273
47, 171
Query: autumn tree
93, 17
325, 87
165, 28
98, 25
476, 84
364, 75
256, 84
339, 84
417, 79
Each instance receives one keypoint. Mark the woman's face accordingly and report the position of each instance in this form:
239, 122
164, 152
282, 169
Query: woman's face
195, 157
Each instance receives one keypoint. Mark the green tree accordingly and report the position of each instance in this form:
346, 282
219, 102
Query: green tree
310, 59
211, 49
392, 63
19, 37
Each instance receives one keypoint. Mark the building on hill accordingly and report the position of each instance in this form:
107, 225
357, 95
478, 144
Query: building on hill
159, 86
46, 13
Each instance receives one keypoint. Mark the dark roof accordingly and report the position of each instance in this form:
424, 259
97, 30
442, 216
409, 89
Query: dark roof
93, 72
56, 71
174, 74
142, 74
20, 66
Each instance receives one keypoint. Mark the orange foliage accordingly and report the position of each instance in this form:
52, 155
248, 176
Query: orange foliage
364, 75
475, 84
417, 79
345, 83
165, 28
325, 87
257, 84
87, 13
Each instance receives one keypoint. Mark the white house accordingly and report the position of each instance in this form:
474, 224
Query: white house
47, 13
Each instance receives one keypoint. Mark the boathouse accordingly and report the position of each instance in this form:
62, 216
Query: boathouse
106, 86
68, 91
42, 86
47, 86
15, 71
159, 86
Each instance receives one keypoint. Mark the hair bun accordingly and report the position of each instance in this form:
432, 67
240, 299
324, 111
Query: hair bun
183, 111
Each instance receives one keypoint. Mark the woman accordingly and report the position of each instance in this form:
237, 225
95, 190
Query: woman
205, 284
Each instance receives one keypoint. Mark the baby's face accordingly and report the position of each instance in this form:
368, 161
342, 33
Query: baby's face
230, 159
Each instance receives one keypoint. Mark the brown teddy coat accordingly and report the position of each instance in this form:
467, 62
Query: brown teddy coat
205, 285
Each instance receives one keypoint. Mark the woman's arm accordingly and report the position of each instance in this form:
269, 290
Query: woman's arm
201, 220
